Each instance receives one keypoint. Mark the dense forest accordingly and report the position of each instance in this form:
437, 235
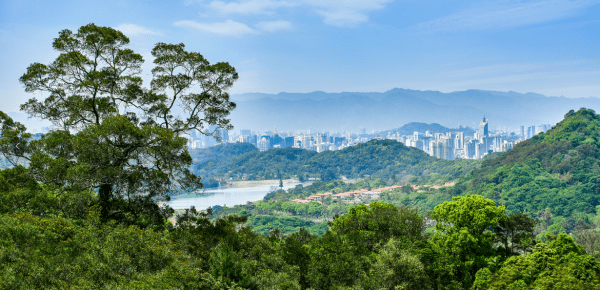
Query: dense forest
554, 176
53, 240
56, 242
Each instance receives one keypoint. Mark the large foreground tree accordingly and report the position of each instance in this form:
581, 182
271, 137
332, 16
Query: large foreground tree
110, 133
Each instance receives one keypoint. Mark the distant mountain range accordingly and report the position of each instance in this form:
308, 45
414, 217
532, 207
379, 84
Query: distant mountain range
381, 111
410, 128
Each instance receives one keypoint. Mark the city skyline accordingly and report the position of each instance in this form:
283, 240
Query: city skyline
446, 145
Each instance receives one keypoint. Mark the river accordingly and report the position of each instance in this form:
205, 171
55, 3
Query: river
228, 196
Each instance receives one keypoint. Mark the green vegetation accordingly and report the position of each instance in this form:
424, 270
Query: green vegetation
80, 206
386, 159
553, 177
55, 241
212, 162
111, 135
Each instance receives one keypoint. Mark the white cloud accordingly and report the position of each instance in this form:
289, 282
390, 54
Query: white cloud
272, 26
346, 12
228, 28
248, 6
135, 30
343, 17
334, 12
507, 14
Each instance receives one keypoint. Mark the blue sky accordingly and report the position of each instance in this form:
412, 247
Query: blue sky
550, 47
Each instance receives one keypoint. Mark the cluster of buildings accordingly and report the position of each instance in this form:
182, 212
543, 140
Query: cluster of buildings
449, 145
452, 145
318, 142
364, 194
357, 195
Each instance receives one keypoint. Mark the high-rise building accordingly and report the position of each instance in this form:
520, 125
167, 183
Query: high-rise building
522, 132
277, 140
480, 150
224, 134
289, 141
253, 139
459, 141
497, 144
264, 144
483, 128
470, 149
448, 149
419, 144
436, 148
530, 132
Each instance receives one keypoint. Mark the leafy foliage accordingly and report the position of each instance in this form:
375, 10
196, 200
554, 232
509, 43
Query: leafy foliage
110, 134
562, 264
553, 176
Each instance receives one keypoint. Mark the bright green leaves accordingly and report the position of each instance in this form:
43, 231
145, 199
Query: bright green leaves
474, 213
561, 264
57, 253
464, 235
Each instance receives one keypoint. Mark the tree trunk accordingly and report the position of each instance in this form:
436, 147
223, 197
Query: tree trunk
104, 195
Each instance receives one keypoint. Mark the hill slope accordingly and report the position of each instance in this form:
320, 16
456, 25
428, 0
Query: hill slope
554, 176
376, 158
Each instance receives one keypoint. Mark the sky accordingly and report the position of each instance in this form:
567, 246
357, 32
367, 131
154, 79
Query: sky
551, 47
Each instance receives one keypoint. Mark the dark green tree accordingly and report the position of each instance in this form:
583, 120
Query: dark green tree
376, 224
515, 234
110, 133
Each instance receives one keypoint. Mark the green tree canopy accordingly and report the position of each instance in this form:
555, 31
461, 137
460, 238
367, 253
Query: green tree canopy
463, 235
110, 133
379, 222
561, 264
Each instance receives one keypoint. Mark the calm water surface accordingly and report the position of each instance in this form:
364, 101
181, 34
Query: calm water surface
224, 197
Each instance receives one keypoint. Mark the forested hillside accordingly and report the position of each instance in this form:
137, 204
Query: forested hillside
213, 161
385, 159
554, 176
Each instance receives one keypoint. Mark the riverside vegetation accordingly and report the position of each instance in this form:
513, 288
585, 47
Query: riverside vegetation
80, 206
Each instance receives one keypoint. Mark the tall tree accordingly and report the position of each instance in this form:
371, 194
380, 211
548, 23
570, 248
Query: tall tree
515, 234
464, 237
110, 133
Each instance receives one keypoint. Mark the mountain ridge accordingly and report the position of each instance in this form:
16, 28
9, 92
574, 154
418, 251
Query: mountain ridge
353, 111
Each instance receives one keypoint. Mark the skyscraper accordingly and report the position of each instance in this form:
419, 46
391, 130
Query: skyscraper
523, 132
264, 144
483, 128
